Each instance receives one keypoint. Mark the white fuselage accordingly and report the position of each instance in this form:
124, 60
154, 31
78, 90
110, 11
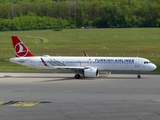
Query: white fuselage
101, 63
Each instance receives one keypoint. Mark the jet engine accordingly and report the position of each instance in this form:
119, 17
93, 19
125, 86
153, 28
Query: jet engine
91, 72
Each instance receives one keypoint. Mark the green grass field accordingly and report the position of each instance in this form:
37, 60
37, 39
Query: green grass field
142, 42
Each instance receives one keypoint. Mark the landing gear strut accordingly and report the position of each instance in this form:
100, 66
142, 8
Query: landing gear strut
77, 76
138, 76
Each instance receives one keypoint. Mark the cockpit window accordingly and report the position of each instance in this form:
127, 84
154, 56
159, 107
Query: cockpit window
146, 62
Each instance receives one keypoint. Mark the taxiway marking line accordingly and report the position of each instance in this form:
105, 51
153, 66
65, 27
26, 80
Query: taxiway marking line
25, 104
1, 103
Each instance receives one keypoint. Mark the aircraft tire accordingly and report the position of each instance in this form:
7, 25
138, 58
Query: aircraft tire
77, 76
138, 76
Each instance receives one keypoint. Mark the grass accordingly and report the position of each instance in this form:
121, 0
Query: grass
142, 42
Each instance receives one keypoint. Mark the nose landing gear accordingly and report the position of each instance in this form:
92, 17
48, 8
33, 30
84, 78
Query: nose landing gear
138, 75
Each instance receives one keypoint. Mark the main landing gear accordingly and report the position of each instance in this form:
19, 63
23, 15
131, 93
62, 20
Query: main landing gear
77, 76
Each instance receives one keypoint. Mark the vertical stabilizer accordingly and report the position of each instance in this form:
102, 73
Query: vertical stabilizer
19, 48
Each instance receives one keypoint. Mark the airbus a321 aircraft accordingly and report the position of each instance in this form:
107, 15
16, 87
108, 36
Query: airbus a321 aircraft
81, 66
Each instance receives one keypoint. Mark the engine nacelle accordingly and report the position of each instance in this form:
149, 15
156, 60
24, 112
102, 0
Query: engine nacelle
91, 72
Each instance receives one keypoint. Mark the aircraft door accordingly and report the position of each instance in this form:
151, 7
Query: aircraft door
32, 63
90, 62
137, 63
86, 62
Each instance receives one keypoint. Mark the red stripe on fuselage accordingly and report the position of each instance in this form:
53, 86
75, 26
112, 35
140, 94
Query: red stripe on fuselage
44, 62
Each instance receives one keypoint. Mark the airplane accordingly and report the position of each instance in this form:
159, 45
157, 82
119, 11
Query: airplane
81, 66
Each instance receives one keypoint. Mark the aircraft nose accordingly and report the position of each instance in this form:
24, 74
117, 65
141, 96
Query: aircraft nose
154, 66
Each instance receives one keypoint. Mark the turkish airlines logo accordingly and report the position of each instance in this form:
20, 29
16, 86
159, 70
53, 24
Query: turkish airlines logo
20, 50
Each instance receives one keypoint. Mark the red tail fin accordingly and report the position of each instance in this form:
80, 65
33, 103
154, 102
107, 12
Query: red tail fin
19, 48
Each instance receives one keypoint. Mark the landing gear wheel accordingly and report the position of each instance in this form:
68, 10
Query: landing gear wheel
138, 76
77, 76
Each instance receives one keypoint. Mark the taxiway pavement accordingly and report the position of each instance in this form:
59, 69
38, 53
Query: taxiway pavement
39, 96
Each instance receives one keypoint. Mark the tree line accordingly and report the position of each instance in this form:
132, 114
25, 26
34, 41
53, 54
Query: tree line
50, 14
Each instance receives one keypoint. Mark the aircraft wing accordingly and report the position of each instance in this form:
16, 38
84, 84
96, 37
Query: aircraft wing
66, 67
72, 67
69, 67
